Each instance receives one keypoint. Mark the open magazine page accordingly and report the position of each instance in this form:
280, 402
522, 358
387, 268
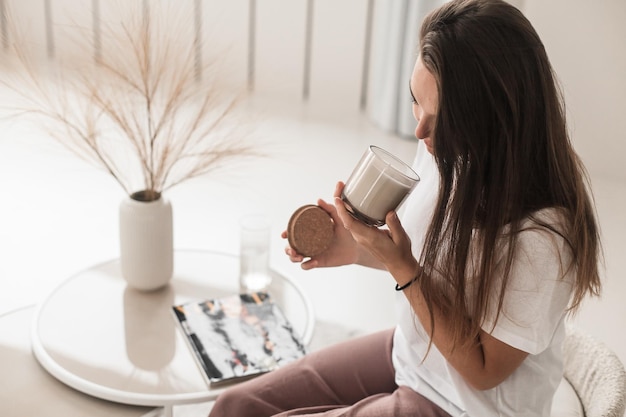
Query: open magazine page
238, 336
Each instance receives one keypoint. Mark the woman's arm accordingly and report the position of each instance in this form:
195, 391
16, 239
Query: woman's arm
343, 250
484, 364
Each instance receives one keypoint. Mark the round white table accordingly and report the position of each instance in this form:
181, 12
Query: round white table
28, 390
103, 338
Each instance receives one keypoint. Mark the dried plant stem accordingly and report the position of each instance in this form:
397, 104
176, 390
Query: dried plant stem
140, 111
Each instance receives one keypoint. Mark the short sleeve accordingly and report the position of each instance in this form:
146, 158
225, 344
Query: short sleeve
537, 293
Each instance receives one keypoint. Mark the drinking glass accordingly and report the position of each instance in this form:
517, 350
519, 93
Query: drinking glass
254, 272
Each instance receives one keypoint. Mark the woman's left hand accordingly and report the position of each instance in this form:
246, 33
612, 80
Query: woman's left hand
391, 246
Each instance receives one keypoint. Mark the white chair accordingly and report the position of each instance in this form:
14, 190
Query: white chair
595, 375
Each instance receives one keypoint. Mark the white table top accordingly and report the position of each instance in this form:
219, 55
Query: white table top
28, 390
108, 340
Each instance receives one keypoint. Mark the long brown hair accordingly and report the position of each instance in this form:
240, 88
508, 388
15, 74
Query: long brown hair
503, 153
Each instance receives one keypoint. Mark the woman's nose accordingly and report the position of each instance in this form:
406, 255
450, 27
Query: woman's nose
421, 132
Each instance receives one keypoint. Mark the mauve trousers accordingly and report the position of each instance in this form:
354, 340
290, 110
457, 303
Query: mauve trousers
354, 378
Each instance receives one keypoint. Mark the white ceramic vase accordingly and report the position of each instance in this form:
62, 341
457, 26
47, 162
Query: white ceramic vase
146, 241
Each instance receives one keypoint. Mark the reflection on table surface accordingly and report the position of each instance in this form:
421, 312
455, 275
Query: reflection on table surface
103, 338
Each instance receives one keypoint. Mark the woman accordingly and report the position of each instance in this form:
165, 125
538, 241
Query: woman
496, 245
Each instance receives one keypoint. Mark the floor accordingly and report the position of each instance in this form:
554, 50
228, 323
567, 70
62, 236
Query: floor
58, 215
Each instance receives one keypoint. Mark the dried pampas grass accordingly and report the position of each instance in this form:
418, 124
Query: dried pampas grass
142, 109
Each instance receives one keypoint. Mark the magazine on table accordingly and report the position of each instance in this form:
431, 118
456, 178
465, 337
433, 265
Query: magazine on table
239, 336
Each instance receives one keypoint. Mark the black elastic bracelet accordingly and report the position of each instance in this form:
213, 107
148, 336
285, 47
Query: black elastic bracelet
401, 288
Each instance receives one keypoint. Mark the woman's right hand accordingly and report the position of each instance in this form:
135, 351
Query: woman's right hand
343, 249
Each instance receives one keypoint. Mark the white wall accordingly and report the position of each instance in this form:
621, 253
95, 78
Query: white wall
586, 41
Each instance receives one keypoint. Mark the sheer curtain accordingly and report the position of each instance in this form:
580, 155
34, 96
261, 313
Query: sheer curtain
395, 32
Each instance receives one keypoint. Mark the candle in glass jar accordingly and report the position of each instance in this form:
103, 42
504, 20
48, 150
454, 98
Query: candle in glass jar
379, 183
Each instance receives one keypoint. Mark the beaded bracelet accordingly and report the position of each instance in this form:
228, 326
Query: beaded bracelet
401, 288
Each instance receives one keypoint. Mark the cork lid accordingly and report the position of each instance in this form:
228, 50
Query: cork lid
310, 230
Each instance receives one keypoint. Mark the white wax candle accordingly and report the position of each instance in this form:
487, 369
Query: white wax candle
375, 193
378, 184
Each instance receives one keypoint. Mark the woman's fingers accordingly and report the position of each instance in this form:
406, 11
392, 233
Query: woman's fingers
396, 231
343, 249
338, 189
310, 264
329, 208
346, 219
293, 255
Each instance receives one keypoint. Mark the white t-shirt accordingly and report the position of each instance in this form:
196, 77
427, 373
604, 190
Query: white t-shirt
532, 320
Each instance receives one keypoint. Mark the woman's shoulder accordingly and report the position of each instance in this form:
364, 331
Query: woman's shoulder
543, 236
551, 220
